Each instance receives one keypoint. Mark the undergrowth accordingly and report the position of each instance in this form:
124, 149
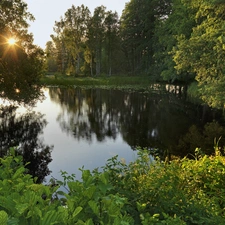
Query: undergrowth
182, 191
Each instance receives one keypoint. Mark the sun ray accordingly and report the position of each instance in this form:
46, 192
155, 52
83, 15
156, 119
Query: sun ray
11, 41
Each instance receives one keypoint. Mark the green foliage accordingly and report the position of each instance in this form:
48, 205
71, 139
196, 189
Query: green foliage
21, 63
143, 192
179, 22
91, 200
85, 44
3, 217
169, 40
21, 198
182, 192
203, 52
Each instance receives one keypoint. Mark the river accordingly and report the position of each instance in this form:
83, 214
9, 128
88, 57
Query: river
75, 127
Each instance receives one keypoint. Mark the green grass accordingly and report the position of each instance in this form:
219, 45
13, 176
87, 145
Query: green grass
96, 81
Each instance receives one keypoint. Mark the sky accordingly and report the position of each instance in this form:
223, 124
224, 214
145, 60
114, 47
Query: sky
46, 12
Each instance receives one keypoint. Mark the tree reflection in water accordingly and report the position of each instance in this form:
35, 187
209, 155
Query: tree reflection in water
22, 132
155, 120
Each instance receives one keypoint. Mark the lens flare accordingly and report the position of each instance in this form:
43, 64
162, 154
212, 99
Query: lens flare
11, 41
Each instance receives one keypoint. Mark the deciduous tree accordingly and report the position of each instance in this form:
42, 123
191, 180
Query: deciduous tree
21, 63
203, 52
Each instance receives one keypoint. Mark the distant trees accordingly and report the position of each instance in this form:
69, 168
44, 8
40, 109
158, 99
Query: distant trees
108, 44
170, 40
86, 44
138, 23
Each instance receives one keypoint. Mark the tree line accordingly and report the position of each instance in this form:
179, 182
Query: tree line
169, 40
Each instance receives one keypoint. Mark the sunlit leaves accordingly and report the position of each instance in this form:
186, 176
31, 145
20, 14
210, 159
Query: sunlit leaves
21, 61
3, 217
178, 192
203, 52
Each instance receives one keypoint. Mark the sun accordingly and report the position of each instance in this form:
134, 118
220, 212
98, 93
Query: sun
11, 41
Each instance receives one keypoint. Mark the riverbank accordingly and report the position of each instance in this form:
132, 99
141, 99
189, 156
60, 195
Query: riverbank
97, 81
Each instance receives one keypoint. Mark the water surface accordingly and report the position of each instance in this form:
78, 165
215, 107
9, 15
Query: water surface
84, 127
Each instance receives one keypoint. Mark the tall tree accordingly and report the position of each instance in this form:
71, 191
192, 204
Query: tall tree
21, 63
203, 52
178, 21
111, 24
14, 15
88, 44
59, 41
95, 36
138, 23
75, 22
70, 36
51, 57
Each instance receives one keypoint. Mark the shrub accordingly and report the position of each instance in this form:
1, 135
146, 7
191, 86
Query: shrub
182, 191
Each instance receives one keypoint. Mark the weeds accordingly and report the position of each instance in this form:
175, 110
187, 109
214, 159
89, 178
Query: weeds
182, 191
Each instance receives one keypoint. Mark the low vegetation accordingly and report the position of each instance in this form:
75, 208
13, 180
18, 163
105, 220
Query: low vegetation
143, 81
182, 191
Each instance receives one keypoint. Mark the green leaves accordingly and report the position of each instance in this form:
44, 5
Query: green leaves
21, 64
202, 52
94, 207
3, 217
144, 192
77, 211
51, 218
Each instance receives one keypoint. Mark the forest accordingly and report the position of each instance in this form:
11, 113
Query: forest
167, 40
171, 41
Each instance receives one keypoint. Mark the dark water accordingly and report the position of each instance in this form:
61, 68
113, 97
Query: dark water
72, 127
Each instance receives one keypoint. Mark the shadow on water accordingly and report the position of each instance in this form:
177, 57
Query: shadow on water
19, 87
22, 132
162, 119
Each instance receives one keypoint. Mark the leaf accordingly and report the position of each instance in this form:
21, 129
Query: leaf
3, 217
13, 221
7, 203
51, 217
38, 212
19, 187
89, 222
103, 178
18, 173
86, 175
21, 208
94, 207
104, 188
77, 211
90, 191
113, 210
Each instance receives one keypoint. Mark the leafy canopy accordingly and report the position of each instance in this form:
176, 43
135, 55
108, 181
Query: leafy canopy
20, 63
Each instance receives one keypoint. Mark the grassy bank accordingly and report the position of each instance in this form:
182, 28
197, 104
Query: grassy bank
96, 81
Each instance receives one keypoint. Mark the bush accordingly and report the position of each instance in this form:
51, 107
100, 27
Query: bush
143, 192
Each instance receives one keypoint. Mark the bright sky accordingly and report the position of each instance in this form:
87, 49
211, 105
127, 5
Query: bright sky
46, 12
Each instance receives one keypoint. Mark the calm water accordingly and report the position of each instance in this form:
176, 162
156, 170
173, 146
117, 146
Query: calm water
85, 127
